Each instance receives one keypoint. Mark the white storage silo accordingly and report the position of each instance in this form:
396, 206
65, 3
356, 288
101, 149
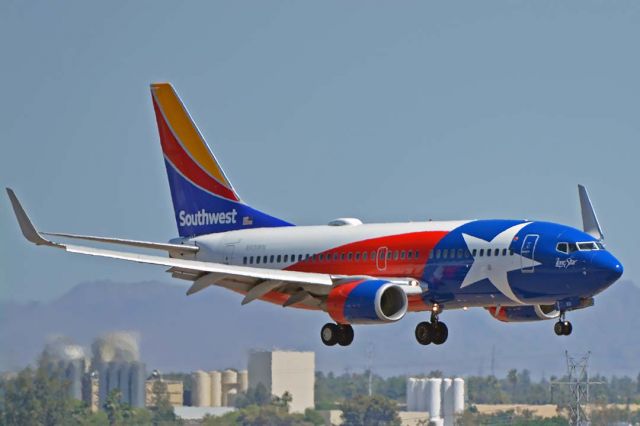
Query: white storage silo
243, 381
411, 394
200, 389
447, 402
424, 392
458, 396
434, 404
216, 388
137, 381
229, 382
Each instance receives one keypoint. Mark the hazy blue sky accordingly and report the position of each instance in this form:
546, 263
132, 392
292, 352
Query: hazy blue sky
388, 111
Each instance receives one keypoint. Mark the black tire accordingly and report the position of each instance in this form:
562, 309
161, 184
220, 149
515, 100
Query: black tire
424, 333
567, 328
559, 328
329, 334
440, 333
345, 334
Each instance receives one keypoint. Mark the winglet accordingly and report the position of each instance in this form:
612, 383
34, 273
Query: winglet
28, 230
590, 223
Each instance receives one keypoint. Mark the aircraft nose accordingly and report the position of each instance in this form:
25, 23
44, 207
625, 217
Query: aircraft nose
606, 264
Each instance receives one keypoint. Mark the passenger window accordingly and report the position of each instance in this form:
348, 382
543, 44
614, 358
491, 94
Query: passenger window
467, 254
389, 255
511, 252
357, 256
335, 256
364, 256
417, 254
402, 254
244, 260
460, 251
488, 252
342, 257
481, 252
286, 258
373, 255
496, 252
279, 258
474, 252
445, 253
257, 259
562, 247
349, 256
321, 257
504, 252
264, 259
395, 255
251, 260
438, 254
271, 259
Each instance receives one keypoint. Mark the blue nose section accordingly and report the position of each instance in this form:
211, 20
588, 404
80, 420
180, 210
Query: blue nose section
607, 266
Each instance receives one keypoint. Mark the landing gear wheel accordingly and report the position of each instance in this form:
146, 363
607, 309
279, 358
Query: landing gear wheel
330, 334
440, 333
424, 333
345, 334
563, 328
558, 328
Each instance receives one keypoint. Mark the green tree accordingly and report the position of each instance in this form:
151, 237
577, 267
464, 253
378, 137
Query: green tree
161, 406
254, 396
369, 411
37, 397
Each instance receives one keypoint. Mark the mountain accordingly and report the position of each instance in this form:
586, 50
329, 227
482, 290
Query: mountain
210, 330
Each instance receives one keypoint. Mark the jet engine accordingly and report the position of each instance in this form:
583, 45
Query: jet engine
367, 301
524, 313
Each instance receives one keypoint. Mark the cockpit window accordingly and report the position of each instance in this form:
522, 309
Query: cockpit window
591, 245
600, 246
572, 247
562, 248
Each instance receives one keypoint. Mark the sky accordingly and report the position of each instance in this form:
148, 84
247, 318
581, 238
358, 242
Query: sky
386, 111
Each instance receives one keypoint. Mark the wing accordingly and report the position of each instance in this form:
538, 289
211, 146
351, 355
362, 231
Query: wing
302, 289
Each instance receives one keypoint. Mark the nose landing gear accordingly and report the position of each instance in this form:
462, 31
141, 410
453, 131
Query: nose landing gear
435, 332
563, 327
332, 334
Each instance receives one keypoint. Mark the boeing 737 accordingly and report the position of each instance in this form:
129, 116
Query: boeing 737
358, 273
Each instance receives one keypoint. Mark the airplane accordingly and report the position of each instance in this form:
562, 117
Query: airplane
358, 273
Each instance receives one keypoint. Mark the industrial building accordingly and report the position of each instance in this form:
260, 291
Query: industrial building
285, 371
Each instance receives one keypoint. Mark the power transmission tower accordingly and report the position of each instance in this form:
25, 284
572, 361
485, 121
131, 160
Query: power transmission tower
578, 382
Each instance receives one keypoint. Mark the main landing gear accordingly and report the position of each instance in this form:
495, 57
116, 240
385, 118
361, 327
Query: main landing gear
341, 334
435, 332
563, 327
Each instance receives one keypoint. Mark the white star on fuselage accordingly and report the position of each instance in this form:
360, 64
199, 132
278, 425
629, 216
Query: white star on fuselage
495, 268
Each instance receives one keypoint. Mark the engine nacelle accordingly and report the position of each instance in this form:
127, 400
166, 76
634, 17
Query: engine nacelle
524, 313
367, 301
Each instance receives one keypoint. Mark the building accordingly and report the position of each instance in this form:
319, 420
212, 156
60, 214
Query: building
174, 392
285, 371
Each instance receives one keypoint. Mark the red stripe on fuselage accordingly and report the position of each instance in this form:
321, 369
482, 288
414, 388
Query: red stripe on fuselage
185, 164
394, 266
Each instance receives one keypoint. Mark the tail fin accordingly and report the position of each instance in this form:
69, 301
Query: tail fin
203, 198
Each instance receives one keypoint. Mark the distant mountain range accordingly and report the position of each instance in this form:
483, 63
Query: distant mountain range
210, 330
